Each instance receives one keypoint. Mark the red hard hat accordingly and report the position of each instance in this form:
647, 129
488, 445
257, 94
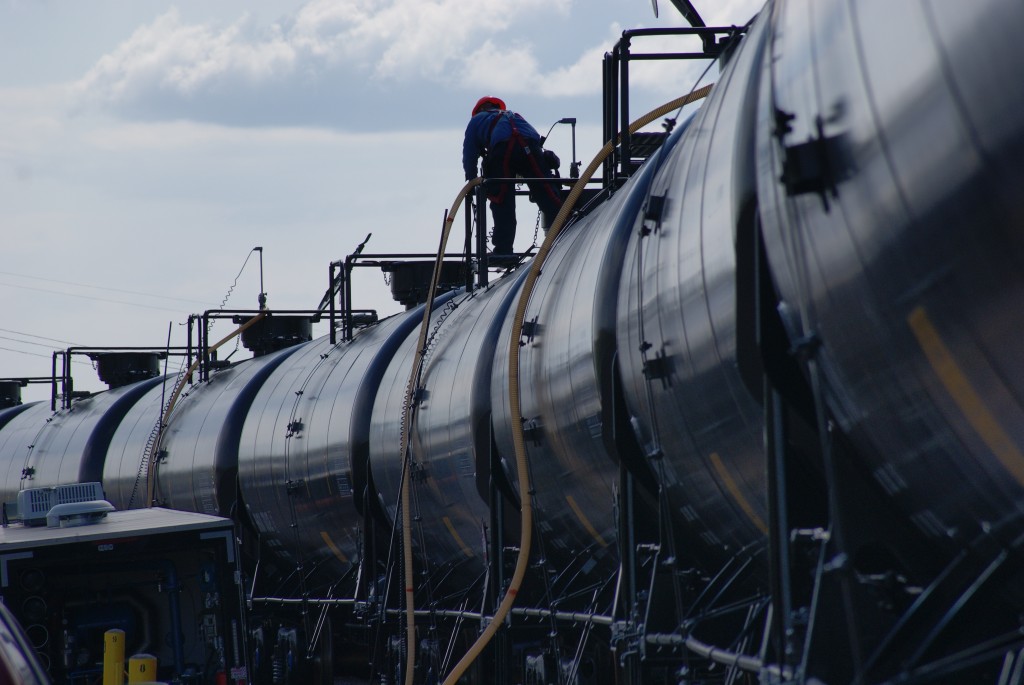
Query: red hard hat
488, 100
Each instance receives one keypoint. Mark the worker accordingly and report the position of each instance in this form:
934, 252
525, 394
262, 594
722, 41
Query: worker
510, 146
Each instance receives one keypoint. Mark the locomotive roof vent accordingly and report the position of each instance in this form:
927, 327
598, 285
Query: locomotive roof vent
62, 505
410, 281
78, 513
122, 368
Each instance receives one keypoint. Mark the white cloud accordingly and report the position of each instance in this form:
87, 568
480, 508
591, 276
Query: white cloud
517, 71
29, 114
181, 69
658, 77
581, 78
728, 12
508, 71
185, 59
175, 135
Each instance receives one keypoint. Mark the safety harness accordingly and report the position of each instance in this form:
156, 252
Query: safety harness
515, 138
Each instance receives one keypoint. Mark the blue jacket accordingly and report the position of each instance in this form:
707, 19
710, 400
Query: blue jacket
486, 130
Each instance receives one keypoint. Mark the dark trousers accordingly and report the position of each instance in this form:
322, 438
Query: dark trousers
510, 158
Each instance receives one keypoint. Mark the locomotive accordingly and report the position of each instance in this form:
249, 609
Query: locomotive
754, 412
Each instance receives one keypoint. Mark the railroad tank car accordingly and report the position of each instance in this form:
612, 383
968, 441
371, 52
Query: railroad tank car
769, 400
303, 455
913, 245
452, 435
198, 458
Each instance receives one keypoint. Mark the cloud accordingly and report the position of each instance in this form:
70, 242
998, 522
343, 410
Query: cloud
369, 65
516, 69
29, 114
316, 66
512, 70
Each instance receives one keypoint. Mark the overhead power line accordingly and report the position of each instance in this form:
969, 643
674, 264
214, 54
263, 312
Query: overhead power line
44, 356
100, 287
89, 297
32, 335
25, 342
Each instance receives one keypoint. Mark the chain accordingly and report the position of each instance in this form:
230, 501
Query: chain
446, 311
153, 442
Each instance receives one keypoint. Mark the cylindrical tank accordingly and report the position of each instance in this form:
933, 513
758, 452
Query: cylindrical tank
304, 447
566, 363
124, 474
198, 465
697, 424
903, 256
451, 435
39, 447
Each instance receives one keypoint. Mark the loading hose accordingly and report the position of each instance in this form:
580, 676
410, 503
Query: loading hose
515, 410
410, 406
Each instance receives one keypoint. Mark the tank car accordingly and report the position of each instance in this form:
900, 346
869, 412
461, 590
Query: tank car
768, 399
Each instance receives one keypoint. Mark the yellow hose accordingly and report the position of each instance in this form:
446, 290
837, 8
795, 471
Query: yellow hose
410, 393
150, 481
513, 390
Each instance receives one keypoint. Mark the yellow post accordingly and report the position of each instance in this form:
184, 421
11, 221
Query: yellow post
113, 657
141, 669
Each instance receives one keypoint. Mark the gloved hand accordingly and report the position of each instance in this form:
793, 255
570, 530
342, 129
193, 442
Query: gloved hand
551, 160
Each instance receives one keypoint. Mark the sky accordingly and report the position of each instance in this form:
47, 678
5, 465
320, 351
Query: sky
146, 147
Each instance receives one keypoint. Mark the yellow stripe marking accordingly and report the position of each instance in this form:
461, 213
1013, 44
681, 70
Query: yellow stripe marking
585, 521
334, 548
966, 397
737, 494
451, 529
